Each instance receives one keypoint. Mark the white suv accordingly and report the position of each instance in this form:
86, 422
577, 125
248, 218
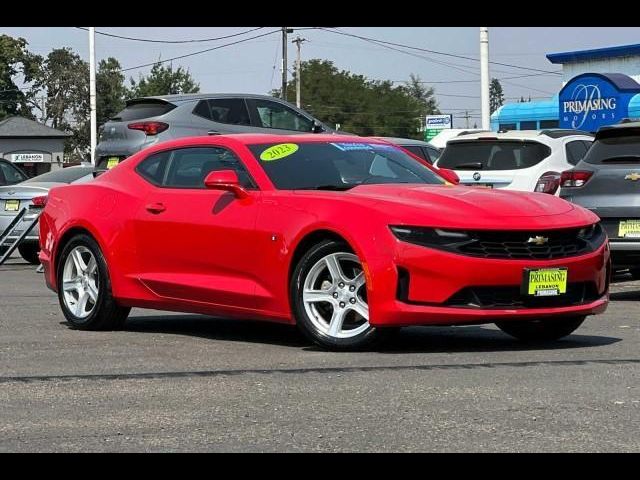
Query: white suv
529, 160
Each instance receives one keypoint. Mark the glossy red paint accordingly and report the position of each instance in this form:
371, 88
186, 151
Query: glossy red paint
211, 251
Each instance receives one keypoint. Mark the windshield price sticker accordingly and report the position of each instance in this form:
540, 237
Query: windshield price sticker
347, 146
276, 152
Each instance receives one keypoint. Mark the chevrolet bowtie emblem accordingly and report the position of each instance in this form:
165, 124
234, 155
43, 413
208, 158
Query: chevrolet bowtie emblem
632, 176
538, 240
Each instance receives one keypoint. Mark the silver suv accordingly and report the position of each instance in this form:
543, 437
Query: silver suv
149, 120
607, 182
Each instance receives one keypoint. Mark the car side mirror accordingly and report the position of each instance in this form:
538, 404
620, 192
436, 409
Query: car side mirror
317, 128
449, 175
225, 180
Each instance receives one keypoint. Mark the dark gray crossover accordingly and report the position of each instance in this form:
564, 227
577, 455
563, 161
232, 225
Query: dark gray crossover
149, 120
607, 182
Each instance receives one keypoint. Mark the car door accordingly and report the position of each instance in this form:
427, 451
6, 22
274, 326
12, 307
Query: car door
196, 244
270, 116
215, 116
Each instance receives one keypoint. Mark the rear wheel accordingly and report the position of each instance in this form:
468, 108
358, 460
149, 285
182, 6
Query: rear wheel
541, 330
84, 287
329, 299
29, 251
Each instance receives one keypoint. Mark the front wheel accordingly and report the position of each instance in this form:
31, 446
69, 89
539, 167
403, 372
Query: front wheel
541, 330
329, 298
84, 287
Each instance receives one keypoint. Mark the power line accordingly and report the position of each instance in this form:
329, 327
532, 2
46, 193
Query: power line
369, 39
172, 41
200, 51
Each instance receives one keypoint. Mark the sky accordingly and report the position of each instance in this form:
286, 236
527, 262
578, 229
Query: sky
253, 66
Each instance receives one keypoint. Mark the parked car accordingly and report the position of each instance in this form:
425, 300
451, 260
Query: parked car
10, 173
16, 197
441, 139
606, 182
424, 150
527, 160
347, 237
149, 120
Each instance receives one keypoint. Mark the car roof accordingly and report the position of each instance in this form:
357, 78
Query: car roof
406, 141
539, 135
202, 96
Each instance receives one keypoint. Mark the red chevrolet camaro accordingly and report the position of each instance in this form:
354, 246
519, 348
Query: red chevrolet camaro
347, 237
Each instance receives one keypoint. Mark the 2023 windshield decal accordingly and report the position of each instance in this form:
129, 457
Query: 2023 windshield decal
276, 152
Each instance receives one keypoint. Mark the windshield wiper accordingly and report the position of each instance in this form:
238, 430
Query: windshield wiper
330, 187
469, 166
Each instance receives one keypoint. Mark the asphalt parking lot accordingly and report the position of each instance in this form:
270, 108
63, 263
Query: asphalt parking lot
172, 382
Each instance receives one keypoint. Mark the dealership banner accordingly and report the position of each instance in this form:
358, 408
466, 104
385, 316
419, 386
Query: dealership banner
27, 157
590, 101
435, 124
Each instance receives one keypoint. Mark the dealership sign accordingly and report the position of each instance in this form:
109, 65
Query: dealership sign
27, 157
590, 101
435, 124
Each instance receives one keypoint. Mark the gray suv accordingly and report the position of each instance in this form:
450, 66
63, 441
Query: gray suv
607, 182
149, 120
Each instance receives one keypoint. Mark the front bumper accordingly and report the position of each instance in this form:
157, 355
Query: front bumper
435, 277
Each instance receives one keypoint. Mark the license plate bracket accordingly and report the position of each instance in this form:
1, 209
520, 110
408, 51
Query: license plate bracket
544, 282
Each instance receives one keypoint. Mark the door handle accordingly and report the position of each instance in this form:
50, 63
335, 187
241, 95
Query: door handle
156, 207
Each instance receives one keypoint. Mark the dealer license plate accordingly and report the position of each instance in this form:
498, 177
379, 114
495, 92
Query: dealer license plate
112, 162
544, 282
481, 185
629, 229
11, 205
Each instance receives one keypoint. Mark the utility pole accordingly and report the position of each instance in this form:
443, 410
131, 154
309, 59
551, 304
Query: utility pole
484, 77
283, 92
466, 117
298, 41
92, 92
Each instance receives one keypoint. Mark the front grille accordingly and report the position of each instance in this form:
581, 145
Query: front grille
511, 297
519, 245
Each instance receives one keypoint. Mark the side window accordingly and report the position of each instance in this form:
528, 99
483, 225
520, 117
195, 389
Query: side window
188, 167
416, 150
575, 151
9, 174
229, 110
154, 167
433, 153
202, 109
276, 115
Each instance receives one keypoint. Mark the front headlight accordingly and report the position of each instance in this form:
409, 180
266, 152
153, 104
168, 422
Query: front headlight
430, 237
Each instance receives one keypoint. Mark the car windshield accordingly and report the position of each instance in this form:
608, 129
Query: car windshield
339, 165
63, 175
492, 155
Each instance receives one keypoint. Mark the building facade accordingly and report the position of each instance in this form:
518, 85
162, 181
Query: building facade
34, 147
599, 87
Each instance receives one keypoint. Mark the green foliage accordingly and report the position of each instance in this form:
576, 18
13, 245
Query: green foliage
163, 81
359, 105
16, 61
496, 96
64, 77
110, 90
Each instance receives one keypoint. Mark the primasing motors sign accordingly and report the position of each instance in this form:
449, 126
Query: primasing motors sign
435, 124
590, 101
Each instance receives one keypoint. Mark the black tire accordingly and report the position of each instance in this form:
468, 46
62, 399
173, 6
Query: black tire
541, 330
371, 337
29, 251
106, 314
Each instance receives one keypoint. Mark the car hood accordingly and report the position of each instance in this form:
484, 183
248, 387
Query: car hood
468, 207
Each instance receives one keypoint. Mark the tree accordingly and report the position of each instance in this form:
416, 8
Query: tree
359, 105
17, 61
423, 94
64, 77
110, 90
163, 81
496, 97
